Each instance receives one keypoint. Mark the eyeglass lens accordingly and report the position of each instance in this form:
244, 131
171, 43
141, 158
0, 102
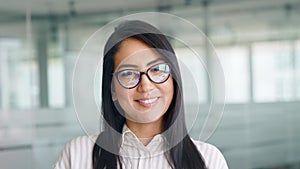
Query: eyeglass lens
130, 78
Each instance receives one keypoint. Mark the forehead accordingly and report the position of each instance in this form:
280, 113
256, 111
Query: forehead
135, 52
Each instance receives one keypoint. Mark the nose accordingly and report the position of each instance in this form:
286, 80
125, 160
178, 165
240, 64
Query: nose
146, 84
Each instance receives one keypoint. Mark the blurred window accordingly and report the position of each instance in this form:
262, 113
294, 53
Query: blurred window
18, 76
297, 69
272, 71
56, 74
56, 83
234, 61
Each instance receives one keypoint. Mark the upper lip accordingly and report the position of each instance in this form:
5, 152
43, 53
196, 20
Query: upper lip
147, 98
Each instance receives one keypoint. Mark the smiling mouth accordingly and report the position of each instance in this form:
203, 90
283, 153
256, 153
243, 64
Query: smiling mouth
148, 102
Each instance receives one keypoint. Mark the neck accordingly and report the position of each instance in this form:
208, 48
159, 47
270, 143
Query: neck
145, 131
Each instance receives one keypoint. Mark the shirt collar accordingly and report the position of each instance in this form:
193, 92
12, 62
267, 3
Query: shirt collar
156, 145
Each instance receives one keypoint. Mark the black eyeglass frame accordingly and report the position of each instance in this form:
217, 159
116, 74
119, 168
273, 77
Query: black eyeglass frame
141, 74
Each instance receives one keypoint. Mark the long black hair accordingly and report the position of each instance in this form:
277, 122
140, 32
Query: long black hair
183, 154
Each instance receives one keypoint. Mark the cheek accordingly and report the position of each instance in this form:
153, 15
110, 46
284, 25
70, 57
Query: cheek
122, 93
118, 90
168, 90
123, 99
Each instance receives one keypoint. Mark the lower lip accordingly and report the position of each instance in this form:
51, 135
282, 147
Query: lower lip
147, 105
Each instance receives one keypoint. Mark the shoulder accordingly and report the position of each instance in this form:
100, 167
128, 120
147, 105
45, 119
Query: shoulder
81, 141
212, 156
206, 148
78, 148
81, 144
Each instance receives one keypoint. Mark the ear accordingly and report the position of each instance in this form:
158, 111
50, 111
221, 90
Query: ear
113, 91
114, 96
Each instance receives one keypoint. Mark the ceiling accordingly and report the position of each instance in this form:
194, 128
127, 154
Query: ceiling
79, 7
235, 18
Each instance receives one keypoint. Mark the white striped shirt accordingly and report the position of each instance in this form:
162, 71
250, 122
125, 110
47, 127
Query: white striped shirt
77, 154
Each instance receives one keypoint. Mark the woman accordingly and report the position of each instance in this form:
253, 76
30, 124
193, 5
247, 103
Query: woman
142, 104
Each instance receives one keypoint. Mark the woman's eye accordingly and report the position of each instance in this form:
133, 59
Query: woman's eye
126, 73
155, 69
159, 68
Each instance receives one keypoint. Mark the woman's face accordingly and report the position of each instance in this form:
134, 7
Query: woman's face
148, 101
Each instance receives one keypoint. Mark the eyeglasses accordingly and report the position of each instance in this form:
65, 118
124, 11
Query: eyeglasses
130, 78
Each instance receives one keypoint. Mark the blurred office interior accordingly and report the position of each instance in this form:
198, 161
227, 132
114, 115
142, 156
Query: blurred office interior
257, 42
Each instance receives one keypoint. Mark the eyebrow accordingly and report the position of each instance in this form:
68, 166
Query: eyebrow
154, 61
127, 65
136, 66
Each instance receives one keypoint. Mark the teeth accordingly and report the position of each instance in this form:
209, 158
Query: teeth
149, 101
